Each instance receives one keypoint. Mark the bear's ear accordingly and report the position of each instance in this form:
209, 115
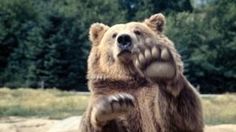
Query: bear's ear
96, 32
156, 22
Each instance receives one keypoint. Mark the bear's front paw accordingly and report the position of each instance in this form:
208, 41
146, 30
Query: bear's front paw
155, 61
111, 107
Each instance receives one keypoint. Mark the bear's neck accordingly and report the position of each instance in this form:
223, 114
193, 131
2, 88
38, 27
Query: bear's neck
101, 85
114, 71
115, 77
103, 74
112, 75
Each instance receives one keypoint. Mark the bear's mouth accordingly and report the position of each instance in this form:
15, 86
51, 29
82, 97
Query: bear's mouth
124, 52
125, 56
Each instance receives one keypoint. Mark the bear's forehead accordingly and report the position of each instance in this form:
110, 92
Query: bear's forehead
128, 26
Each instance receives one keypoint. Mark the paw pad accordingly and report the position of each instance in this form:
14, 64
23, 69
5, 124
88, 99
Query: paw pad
155, 61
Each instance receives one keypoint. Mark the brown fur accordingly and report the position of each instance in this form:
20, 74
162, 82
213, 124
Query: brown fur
170, 105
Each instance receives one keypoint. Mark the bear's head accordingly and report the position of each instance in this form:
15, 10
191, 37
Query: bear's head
113, 47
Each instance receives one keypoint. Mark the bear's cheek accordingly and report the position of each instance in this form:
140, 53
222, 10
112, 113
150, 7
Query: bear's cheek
109, 53
115, 52
110, 58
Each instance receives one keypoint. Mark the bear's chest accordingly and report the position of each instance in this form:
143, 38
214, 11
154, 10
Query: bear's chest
145, 118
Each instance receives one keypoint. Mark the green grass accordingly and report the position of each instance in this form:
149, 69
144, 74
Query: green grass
55, 104
220, 109
51, 103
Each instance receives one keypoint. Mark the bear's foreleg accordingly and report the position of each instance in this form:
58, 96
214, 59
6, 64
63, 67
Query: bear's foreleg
179, 104
182, 112
107, 112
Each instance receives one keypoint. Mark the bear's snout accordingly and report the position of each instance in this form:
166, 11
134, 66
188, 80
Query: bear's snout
124, 42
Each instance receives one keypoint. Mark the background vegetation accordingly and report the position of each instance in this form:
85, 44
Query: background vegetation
44, 43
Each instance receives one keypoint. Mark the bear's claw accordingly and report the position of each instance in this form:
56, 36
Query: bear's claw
111, 107
155, 61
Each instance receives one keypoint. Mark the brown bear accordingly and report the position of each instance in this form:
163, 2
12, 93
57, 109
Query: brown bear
136, 80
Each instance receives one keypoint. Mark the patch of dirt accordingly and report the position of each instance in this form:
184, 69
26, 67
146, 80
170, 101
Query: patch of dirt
221, 128
17, 124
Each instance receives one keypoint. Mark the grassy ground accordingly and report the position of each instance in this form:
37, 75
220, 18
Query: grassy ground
56, 104
220, 109
51, 103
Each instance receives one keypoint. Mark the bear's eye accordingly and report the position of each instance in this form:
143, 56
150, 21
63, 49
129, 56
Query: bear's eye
114, 35
137, 32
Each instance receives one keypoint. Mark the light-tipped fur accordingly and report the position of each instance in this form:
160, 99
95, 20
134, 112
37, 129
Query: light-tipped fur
158, 105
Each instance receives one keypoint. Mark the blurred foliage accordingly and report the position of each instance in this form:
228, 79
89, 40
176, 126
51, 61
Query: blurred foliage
207, 41
44, 43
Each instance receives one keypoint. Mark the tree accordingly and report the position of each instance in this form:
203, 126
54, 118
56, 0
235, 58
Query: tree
140, 9
207, 43
44, 43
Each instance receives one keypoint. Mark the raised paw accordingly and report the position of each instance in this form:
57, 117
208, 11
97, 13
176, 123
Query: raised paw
155, 61
112, 107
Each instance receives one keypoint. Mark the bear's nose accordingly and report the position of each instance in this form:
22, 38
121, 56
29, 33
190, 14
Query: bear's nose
124, 41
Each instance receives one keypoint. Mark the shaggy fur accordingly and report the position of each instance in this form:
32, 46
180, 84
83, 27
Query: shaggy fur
124, 98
